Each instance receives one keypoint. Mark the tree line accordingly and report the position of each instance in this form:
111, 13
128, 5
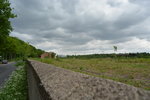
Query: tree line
12, 47
120, 55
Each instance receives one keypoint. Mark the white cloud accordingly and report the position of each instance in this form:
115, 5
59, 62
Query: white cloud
135, 45
22, 36
83, 26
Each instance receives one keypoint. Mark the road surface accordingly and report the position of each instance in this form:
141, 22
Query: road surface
5, 72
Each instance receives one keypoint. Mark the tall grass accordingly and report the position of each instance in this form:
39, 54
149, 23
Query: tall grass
132, 71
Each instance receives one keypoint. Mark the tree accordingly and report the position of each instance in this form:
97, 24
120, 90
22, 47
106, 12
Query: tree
115, 48
5, 15
53, 55
16, 48
5, 26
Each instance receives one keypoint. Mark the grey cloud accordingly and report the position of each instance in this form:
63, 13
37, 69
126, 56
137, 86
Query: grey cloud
141, 2
65, 24
112, 3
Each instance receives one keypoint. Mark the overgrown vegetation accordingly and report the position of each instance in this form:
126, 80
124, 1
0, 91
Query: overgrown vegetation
16, 87
113, 55
16, 48
133, 71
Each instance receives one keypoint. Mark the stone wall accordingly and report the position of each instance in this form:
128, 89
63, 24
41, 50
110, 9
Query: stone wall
35, 89
61, 84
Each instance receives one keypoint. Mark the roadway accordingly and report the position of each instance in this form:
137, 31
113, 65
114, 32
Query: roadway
5, 72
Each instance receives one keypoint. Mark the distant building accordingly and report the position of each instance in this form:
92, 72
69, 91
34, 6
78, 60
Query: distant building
48, 55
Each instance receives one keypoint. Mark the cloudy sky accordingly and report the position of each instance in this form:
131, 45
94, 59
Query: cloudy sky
83, 26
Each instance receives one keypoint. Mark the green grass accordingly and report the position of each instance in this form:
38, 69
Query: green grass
16, 87
132, 71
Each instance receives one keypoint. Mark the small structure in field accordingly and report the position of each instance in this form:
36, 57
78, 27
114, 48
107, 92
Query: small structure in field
48, 55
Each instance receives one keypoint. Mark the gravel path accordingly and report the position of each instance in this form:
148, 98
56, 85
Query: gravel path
64, 84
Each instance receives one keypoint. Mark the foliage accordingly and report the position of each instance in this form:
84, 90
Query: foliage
115, 48
16, 87
5, 15
133, 71
19, 63
120, 55
15, 48
53, 55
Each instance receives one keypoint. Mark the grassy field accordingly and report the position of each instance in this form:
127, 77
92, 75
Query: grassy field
133, 71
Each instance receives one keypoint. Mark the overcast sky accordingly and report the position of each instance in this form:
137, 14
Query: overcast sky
83, 26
